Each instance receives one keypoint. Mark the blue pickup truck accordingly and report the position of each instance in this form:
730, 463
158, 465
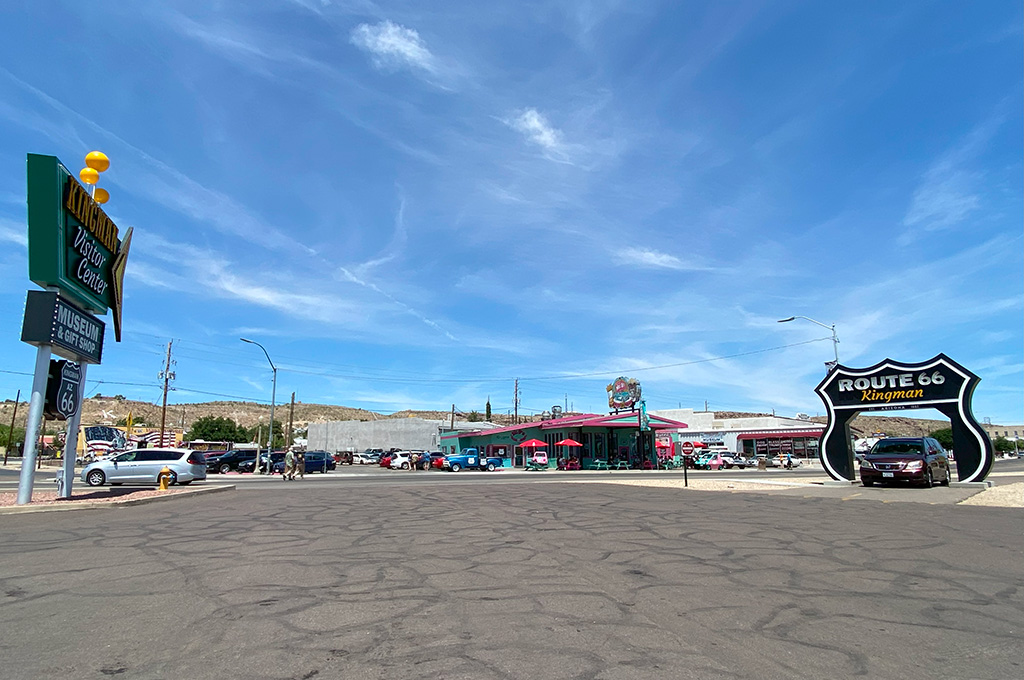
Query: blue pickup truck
470, 459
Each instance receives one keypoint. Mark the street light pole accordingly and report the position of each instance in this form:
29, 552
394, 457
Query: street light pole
273, 398
835, 338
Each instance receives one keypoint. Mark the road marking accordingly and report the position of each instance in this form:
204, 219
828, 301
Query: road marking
847, 498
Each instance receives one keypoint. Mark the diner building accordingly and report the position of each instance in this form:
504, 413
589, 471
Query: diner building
612, 439
750, 435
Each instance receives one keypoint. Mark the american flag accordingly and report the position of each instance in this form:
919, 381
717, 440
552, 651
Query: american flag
152, 439
102, 439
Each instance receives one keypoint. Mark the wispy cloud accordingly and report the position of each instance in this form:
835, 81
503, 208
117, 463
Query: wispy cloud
393, 46
643, 257
393, 249
949, 190
535, 127
13, 232
149, 176
353, 278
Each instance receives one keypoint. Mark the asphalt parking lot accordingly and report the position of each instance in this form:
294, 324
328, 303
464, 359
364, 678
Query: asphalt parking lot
512, 580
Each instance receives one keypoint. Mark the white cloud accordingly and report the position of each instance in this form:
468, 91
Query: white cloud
394, 46
650, 258
653, 259
948, 191
13, 232
535, 127
943, 199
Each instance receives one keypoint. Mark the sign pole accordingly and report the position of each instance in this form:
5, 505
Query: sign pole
71, 440
35, 414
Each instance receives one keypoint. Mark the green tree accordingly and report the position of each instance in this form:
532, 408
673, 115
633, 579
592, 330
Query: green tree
1002, 445
260, 432
945, 437
17, 438
487, 409
473, 417
216, 430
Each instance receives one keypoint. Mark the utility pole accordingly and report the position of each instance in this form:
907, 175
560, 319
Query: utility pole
453, 417
515, 403
167, 376
291, 420
10, 432
566, 402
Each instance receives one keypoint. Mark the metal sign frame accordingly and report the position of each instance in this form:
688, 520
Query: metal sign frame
889, 385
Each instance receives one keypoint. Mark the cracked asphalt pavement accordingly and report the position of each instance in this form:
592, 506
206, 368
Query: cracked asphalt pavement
512, 580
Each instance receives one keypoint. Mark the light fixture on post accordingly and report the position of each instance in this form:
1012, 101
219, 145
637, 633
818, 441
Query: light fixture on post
835, 338
273, 398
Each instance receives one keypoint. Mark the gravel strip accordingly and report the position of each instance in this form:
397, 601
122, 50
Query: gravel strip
50, 497
1009, 496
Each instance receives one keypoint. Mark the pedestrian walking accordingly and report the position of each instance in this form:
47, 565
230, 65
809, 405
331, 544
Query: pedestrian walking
414, 459
289, 465
300, 465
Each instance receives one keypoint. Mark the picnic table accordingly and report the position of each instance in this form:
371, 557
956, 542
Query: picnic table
621, 465
599, 465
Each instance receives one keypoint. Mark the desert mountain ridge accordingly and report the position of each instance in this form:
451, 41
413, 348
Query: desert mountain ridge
103, 410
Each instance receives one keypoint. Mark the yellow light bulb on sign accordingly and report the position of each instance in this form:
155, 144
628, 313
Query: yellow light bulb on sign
97, 160
88, 176
101, 196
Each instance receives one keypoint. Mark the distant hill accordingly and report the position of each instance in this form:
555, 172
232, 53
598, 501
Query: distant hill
109, 410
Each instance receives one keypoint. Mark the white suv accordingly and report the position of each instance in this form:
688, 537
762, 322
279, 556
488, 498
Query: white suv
400, 460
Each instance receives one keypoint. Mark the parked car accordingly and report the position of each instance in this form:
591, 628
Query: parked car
315, 461
365, 458
700, 462
920, 460
249, 465
470, 459
229, 460
344, 458
385, 460
400, 460
731, 460
142, 466
319, 461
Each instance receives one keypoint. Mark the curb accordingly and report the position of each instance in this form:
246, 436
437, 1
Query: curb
89, 505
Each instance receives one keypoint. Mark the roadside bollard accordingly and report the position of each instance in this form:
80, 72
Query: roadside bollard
165, 478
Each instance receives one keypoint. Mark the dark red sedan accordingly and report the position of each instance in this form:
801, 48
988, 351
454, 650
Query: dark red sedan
915, 460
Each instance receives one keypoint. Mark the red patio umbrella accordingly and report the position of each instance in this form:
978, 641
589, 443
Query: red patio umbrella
568, 442
532, 444
662, 445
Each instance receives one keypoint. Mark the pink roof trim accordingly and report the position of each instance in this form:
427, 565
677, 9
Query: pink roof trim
581, 420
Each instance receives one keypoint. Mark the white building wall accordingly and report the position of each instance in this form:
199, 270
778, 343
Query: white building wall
394, 433
705, 427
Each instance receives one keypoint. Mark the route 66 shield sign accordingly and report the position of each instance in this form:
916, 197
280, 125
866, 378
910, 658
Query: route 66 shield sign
62, 390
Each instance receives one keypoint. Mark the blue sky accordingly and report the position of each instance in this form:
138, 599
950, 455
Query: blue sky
412, 207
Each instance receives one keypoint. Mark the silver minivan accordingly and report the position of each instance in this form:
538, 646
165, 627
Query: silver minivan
141, 466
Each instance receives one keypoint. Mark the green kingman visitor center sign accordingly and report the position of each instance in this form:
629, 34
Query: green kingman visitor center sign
72, 244
77, 256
